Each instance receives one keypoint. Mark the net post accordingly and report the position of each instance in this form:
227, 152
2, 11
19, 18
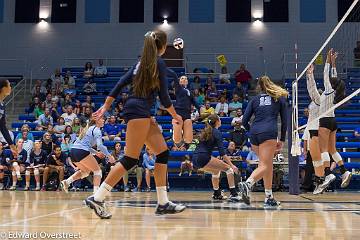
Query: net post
293, 161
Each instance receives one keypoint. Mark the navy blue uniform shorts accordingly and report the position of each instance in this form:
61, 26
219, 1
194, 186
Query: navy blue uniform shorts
77, 155
257, 139
200, 159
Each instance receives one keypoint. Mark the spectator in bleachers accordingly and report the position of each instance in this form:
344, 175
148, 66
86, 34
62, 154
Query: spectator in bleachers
39, 94
89, 87
186, 166
199, 97
40, 109
55, 96
239, 91
196, 83
71, 80
212, 93
59, 129
238, 135
25, 130
224, 76
101, 70
238, 118
69, 132
18, 164
44, 120
149, 165
48, 100
66, 144
88, 103
251, 157
231, 150
4, 165
357, 51
38, 83
56, 110
209, 82
304, 119
194, 114
243, 76
88, 71
66, 102
112, 131
57, 79
222, 108
85, 117
34, 104
47, 143
69, 116
55, 163
234, 105
78, 109
206, 111
48, 85
37, 163
76, 126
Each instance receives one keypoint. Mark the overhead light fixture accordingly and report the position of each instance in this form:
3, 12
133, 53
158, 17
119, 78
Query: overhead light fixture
165, 21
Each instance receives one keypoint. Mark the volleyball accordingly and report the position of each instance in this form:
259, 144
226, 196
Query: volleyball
178, 43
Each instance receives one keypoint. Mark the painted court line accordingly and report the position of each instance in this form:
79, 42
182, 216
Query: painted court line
41, 216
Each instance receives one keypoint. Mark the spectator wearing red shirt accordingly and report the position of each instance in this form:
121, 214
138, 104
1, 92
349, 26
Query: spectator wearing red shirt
243, 76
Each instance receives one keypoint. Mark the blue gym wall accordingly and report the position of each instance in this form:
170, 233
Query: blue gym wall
59, 41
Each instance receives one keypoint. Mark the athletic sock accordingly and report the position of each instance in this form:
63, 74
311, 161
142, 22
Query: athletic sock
102, 192
268, 193
319, 180
162, 195
96, 188
250, 181
69, 181
342, 169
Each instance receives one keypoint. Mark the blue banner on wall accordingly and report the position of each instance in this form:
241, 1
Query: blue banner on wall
1, 10
312, 11
97, 11
201, 11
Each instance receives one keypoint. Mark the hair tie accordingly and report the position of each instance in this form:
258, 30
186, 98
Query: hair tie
150, 34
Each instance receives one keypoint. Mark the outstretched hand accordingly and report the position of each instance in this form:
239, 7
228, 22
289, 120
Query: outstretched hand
99, 113
310, 70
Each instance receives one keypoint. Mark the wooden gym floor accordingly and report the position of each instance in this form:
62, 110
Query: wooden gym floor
329, 216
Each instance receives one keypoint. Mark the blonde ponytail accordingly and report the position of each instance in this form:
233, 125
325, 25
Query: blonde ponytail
270, 88
83, 130
206, 134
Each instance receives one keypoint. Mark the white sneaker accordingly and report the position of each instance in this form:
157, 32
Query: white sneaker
64, 186
346, 177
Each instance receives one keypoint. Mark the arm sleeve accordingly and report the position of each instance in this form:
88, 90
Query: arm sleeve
247, 115
164, 92
327, 84
4, 131
283, 115
170, 73
219, 142
124, 81
312, 89
99, 142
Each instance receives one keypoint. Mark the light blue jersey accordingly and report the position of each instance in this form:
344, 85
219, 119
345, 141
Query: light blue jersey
92, 137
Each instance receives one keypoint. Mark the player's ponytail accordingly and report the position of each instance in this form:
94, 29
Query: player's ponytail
206, 134
83, 130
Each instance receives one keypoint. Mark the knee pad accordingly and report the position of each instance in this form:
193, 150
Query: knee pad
98, 173
128, 162
325, 156
230, 171
84, 174
36, 172
15, 164
216, 175
337, 157
317, 163
27, 173
163, 157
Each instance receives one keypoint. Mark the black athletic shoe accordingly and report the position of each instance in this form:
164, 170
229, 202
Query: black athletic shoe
98, 207
271, 203
244, 192
219, 196
169, 208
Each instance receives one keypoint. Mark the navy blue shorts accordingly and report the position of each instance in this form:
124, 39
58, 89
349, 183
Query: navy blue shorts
329, 123
77, 155
184, 114
313, 133
257, 139
200, 159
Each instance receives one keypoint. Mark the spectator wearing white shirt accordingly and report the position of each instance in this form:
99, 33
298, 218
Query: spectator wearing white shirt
101, 70
71, 79
222, 108
69, 116
237, 118
224, 76
42, 88
194, 114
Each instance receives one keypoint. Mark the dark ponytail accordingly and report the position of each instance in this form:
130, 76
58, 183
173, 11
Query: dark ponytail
206, 134
3, 83
339, 86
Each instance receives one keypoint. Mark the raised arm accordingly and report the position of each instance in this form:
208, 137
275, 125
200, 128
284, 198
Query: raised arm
327, 84
311, 85
170, 73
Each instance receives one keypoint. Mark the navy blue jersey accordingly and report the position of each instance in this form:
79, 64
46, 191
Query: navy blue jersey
4, 159
51, 161
21, 159
184, 97
138, 106
3, 129
266, 111
215, 142
38, 159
